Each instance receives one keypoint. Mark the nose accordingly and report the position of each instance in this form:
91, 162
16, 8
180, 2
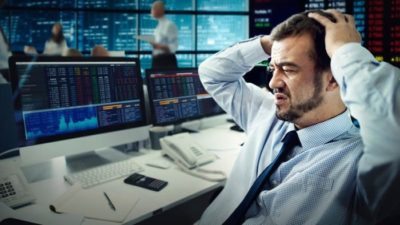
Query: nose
276, 80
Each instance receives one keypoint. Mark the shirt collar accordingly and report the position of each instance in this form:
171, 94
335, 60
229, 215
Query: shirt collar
162, 19
323, 132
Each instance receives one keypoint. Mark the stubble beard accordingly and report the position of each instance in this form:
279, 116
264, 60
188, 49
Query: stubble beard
296, 111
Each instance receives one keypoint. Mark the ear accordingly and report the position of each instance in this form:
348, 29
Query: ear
332, 85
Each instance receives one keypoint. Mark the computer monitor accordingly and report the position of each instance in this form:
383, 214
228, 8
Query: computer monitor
177, 96
71, 105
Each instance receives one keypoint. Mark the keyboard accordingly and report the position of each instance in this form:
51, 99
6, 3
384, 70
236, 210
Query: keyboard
104, 173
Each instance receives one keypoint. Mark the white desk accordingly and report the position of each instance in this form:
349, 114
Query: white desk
181, 186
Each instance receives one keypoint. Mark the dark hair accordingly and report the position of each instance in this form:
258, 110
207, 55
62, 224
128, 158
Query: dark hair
299, 24
60, 36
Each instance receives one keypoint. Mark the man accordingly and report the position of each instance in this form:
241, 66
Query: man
335, 173
166, 39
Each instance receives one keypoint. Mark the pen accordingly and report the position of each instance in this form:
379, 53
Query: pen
110, 203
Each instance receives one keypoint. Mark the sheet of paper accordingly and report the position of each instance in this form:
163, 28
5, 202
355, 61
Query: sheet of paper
39, 214
148, 38
93, 204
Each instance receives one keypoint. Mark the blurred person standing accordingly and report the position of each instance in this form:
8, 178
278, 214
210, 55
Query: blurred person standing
165, 39
56, 44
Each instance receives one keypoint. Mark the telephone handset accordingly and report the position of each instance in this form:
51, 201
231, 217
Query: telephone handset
183, 149
14, 190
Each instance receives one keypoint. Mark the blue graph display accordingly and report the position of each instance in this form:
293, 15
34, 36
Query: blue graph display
167, 111
4, 23
223, 5
55, 122
169, 4
131, 4
216, 32
43, 3
184, 61
115, 31
201, 58
179, 95
34, 28
189, 107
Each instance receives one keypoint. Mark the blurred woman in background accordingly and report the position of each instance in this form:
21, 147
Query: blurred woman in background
56, 44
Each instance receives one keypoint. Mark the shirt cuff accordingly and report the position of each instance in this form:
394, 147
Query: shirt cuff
346, 56
252, 51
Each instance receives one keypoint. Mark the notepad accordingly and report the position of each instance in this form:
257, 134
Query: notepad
93, 204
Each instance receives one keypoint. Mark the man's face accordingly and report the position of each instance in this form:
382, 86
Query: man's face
56, 29
157, 10
297, 85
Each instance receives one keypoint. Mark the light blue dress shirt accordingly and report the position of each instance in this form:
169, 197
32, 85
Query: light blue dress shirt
340, 174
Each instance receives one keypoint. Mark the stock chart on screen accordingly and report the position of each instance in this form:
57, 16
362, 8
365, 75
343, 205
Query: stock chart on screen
77, 96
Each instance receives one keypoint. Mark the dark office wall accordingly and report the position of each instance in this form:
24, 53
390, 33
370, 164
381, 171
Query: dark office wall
8, 137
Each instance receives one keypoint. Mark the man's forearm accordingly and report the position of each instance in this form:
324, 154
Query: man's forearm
222, 74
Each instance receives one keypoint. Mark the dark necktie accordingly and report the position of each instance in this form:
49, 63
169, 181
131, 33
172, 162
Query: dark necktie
289, 142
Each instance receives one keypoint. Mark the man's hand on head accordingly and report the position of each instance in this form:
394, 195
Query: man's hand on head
266, 43
338, 33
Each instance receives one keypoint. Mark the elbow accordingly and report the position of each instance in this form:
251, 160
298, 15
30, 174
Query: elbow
203, 70
204, 67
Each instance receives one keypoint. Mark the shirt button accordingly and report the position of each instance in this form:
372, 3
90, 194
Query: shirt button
274, 183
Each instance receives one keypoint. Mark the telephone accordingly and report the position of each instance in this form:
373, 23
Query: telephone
14, 190
183, 149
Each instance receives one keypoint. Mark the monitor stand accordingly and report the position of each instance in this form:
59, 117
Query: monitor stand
178, 128
128, 148
87, 160
58, 167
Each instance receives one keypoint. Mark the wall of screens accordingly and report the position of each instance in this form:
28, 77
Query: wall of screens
205, 26
115, 23
378, 21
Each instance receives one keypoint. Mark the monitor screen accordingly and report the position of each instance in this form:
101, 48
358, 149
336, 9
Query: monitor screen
59, 98
177, 95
